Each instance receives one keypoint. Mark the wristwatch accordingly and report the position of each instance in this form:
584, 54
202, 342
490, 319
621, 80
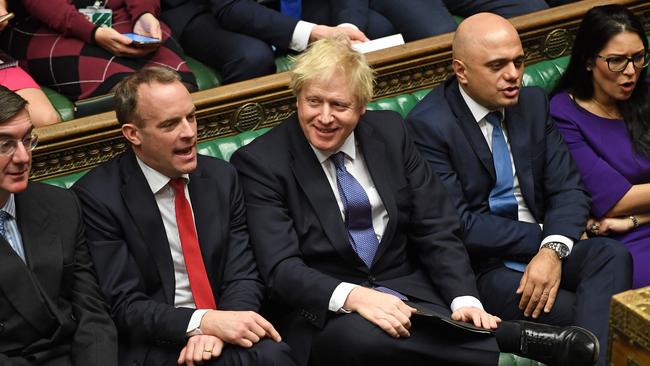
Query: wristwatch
560, 249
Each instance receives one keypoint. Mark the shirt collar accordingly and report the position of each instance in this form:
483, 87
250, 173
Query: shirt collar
478, 111
10, 206
349, 148
155, 179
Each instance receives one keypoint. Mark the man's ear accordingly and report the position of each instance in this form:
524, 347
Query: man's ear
131, 133
459, 69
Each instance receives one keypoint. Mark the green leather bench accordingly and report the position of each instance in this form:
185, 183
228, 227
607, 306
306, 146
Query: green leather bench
544, 74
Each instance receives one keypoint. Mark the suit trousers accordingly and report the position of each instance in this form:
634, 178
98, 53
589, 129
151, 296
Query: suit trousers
349, 339
596, 269
237, 56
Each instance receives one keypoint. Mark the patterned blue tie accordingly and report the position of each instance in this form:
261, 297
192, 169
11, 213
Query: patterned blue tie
291, 8
3, 217
502, 197
357, 212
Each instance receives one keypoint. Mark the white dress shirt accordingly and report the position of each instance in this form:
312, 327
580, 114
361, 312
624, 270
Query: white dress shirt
479, 112
164, 195
355, 164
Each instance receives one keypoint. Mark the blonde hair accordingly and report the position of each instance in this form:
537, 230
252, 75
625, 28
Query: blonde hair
326, 57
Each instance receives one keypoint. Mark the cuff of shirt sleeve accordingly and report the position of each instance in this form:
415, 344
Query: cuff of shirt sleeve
301, 33
349, 25
195, 319
464, 301
560, 238
339, 296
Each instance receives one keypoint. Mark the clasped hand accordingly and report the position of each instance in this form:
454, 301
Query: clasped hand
539, 285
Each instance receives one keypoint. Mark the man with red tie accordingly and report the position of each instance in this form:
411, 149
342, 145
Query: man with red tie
167, 232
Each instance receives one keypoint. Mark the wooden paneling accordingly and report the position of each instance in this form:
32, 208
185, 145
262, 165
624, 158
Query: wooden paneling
266, 101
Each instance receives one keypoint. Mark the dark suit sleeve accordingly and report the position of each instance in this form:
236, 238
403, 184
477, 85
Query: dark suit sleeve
256, 20
483, 232
350, 11
95, 339
136, 314
276, 245
434, 228
242, 288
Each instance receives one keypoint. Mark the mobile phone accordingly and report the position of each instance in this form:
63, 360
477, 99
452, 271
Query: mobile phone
6, 17
139, 40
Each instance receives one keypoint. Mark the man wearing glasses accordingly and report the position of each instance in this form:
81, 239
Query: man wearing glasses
51, 311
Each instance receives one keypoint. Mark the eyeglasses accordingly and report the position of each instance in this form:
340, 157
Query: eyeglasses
9, 146
619, 63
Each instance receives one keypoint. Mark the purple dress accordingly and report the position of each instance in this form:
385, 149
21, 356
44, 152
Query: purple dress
609, 167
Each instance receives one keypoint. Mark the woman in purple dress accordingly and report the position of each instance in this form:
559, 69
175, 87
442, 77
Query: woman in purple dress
602, 108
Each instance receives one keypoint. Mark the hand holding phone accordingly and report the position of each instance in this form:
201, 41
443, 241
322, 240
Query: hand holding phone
142, 41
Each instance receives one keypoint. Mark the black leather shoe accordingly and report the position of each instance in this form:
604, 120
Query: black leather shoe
557, 346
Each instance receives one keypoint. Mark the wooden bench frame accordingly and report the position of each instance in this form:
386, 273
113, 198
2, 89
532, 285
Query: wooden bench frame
264, 102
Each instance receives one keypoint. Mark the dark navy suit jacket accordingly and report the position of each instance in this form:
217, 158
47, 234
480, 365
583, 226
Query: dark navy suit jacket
445, 132
134, 264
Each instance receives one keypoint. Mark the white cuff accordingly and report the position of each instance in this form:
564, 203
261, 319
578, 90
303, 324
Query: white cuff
339, 296
560, 238
463, 301
301, 33
195, 320
349, 25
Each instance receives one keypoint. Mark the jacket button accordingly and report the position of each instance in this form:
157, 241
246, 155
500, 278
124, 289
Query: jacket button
2, 327
371, 278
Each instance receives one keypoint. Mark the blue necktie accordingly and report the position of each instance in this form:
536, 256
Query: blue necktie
291, 8
358, 212
3, 217
502, 197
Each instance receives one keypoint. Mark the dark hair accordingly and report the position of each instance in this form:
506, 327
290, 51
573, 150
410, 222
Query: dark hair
598, 26
10, 104
126, 92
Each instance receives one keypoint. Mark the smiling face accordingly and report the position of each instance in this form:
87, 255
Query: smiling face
14, 168
328, 112
610, 86
165, 136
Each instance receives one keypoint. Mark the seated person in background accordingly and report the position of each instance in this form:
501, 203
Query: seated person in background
62, 49
517, 190
425, 18
51, 309
167, 232
347, 221
41, 111
602, 107
236, 37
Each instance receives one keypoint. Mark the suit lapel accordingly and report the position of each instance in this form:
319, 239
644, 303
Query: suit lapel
205, 205
314, 183
521, 152
17, 281
469, 126
142, 206
374, 152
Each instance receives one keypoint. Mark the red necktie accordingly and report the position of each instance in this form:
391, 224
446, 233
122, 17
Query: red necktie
201, 289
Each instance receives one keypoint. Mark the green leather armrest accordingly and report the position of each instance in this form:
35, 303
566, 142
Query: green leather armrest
545, 74
508, 359
62, 105
283, 63
206, 77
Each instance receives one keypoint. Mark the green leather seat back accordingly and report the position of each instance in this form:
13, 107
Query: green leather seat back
62, 105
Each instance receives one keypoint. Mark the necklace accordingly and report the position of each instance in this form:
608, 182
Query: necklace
615, 115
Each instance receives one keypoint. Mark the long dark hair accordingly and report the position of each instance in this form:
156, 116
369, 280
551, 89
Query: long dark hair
598, 26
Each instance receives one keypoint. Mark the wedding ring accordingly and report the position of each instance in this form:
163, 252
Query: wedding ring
595, 227
207, 350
